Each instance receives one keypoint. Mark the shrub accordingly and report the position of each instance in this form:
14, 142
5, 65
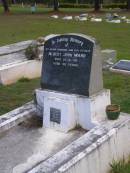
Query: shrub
32, 52
117, 167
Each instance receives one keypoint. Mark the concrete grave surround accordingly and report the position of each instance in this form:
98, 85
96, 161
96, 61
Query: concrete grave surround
12, 72
72, 108
73, 152
14, 64
16, 116
24, 143
93, 152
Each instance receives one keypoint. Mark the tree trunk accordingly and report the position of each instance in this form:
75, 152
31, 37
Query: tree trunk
5, 5
97, 5
128, 4
56, 4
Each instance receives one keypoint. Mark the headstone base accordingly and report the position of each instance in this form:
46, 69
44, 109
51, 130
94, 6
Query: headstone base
64, 112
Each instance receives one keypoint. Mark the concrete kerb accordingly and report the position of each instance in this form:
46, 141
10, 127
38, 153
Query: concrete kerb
14, 63
16, 47
16, 116
89, 146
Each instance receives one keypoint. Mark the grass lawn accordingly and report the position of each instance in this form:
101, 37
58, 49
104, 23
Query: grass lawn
120, 167
14, 95
21, 25
120, 89
17, 27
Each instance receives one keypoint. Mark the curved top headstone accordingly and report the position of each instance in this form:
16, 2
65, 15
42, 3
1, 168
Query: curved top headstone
72, 64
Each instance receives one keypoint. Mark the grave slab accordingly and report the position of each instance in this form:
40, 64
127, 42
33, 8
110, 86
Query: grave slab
12, 58
13, 48
122, 67
26, 145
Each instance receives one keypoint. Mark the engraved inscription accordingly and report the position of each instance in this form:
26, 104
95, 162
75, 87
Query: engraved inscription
67, 56
67, 64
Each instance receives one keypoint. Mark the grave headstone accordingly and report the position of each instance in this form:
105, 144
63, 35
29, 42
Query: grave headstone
72, 91
72, 64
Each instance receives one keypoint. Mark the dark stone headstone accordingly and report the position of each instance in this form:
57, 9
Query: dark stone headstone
72, 64
122, 65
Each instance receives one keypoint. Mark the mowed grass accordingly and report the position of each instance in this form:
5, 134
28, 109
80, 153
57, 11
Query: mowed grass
120, 89
13, 96
21, 25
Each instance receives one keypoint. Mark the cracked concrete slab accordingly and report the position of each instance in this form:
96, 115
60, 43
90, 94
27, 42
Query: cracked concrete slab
28, 144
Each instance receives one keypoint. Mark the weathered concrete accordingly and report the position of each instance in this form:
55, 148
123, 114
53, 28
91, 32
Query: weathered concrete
14, 64
108, 58
11, 58
10, 73
27, 144
16, 116
94, 151
76, 110
13, 48
30, 148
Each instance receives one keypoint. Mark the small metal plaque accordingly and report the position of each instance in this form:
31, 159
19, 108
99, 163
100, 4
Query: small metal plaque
55, 115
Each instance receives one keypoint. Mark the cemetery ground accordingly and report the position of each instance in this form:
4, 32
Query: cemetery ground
18, 26
15, 95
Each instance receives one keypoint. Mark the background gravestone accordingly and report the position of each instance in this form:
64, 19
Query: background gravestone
72, 64
122, 65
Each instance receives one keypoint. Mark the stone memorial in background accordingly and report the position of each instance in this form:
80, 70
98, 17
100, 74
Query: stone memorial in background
72, 91
108, 58
122, 66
